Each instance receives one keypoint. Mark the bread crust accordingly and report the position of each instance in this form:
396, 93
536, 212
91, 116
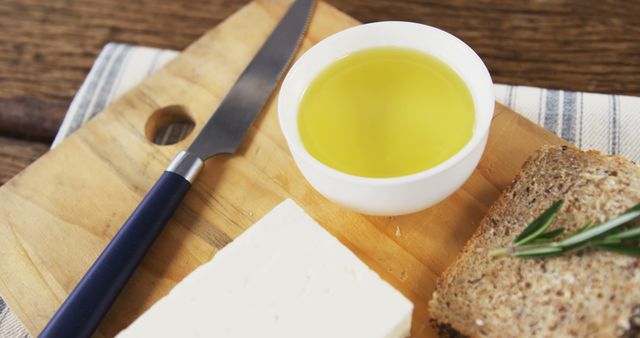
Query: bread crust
443, 296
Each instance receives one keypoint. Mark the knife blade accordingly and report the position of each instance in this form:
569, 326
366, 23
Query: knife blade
238, 109
92, 297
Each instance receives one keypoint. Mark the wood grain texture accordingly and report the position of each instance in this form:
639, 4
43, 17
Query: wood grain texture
47, 47
573, 45
57, 215
15, 155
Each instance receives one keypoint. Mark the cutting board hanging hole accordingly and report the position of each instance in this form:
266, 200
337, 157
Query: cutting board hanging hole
169, 125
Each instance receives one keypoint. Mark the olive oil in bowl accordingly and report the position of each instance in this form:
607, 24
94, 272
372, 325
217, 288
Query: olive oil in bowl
386, 112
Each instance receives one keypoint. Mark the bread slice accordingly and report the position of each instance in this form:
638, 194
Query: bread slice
585, 294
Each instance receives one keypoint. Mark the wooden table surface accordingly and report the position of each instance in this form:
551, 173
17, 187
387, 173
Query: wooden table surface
47, 47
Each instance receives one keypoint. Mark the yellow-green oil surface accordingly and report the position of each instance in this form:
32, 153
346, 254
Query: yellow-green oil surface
386, 112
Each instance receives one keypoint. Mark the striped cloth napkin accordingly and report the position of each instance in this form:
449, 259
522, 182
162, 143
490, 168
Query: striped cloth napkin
608, 123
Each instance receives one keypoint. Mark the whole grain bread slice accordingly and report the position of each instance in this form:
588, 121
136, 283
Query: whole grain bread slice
586, 294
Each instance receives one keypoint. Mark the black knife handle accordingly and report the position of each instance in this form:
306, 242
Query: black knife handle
83, 310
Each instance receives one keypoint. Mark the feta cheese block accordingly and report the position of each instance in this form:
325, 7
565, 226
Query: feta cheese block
285, 276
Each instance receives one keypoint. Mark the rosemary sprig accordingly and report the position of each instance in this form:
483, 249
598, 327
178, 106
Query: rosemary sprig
536, 241
539, 225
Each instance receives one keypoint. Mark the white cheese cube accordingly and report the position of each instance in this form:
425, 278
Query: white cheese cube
285, 276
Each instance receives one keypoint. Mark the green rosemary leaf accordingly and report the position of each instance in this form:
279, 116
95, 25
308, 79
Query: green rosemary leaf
634, 208
547, 236
605, 240
500, 252
539, 241
539, 225
633, 233
576, 247
600, 229
534, 242
591, 224
620, 248
551, 234
538, 252
583, 228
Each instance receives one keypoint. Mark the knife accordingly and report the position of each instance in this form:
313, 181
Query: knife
87, 304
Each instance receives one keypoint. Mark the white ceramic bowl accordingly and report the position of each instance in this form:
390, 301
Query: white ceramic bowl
396, 195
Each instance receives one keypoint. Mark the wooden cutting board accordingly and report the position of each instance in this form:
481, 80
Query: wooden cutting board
58, 214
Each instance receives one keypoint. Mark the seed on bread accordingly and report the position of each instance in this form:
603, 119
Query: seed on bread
589, 294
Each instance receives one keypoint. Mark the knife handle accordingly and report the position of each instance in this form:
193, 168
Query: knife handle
87, 304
